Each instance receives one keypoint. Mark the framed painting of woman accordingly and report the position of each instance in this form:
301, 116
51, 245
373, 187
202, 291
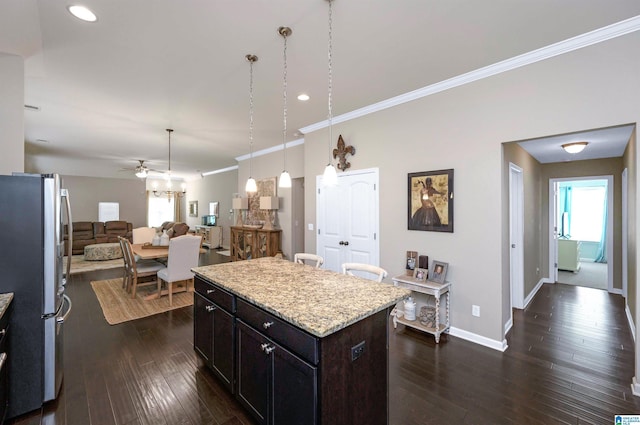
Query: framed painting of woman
430, 199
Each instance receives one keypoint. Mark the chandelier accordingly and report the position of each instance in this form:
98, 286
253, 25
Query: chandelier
169, 192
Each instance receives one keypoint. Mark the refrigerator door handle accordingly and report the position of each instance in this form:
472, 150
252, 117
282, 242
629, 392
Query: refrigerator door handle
63, 318
65, 194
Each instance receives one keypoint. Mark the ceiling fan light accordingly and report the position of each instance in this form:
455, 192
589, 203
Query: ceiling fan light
141, 174
574, 147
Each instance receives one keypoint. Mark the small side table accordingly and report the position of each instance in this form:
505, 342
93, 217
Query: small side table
433, 289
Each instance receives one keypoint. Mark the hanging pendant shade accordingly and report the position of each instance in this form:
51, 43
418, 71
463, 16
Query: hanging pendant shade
285, 178
251, 186
330, 177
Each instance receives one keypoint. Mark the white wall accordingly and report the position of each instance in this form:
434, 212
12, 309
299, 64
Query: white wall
463, 129
11, 113
214, 188
270, 165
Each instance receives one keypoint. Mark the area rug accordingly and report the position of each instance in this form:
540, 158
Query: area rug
118, 306
79, 265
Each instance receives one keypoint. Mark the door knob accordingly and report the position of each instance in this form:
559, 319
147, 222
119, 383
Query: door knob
346, 243
341, 243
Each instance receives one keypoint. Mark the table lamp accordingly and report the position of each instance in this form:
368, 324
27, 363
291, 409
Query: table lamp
269, 203
239, 204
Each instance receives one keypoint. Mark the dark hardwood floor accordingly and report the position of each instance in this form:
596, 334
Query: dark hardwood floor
570, 360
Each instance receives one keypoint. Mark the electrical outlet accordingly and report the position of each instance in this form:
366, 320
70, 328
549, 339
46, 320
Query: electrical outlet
475, 310
357, 351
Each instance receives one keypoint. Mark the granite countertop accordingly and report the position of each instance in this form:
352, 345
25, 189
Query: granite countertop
319, 301
5, 300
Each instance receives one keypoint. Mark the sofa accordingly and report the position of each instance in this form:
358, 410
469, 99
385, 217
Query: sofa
174, 228
93, 232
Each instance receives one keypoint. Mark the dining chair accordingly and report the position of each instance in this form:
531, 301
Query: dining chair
366, 271
301, 257
138, 270
184, 252
126, 277
143, 234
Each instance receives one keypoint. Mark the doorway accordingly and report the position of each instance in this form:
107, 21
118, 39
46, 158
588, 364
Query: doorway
582, 253
348, 219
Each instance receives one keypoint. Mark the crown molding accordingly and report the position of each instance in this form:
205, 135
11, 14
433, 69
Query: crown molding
599, 35
272, 149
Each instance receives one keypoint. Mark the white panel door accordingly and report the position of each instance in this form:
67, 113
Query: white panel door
348, 220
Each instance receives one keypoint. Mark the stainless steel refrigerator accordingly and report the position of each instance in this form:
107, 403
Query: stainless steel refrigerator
32, 211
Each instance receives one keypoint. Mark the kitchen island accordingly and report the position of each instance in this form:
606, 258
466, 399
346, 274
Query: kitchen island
296, 344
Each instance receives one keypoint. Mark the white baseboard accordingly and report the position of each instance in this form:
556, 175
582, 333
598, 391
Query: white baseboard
508, 325
632, 326
535, 290
479, 339
635, 387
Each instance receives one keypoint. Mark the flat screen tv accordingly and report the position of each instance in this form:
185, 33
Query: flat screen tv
208, 220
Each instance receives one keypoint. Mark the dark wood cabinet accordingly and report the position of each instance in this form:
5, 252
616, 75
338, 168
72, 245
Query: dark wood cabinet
284, 375
214, 330
275, 385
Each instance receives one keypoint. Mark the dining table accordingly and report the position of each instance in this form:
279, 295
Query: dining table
153, 252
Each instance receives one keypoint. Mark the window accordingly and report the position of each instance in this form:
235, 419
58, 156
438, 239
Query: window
159, 210
587, 213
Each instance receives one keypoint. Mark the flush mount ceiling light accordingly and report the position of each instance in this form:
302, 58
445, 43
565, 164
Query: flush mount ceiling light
285, 178
82, 13
303, 97
575, 147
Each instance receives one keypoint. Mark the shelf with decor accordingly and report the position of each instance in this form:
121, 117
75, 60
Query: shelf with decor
422, 291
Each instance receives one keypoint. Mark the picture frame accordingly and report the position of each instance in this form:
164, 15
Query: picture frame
438, 271
420, 274
430, 201
193, 208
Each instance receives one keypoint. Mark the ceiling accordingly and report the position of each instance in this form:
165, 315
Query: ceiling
106, 91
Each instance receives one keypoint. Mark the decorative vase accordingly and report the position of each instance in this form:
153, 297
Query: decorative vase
164, 239
156, 239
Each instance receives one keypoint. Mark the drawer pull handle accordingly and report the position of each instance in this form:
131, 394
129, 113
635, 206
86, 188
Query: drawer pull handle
267, 325
267, 348
210, 291
210, 308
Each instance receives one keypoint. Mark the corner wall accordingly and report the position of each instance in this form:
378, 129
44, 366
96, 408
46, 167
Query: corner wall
464, 129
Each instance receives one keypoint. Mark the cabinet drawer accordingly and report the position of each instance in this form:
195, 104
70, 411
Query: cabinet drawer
286, 334
216, 294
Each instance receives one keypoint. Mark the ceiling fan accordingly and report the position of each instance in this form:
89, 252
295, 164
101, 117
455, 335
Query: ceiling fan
141, 170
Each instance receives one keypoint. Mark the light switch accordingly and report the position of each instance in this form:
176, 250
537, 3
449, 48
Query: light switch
310, 226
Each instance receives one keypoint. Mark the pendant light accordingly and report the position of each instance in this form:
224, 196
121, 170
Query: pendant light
285, 178
251, 186
330, 177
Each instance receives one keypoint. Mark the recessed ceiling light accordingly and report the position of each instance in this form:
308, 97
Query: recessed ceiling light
83, 13
303, 97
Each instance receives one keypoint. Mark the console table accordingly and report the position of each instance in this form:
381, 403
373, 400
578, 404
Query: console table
211, 235
248, 243
432, 289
